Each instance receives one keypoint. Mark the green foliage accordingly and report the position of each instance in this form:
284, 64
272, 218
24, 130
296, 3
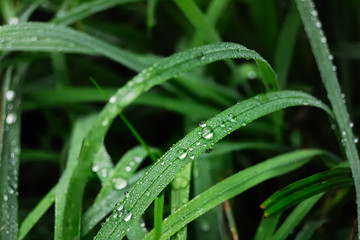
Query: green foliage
221, 132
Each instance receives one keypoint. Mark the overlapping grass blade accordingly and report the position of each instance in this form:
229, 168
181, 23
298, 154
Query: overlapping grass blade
195, 143
285, 45
267, 227
323, 59
306, 188
308, 230
51, 38
233, 186
34, 216
294, 218
64, 198
87, 9
10, 151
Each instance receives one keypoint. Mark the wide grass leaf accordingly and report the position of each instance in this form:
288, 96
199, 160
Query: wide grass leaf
9, 152
233, 186
195, 143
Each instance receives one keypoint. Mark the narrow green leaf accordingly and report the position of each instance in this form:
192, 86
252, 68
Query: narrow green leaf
323, 59
195, 143
306, 188
308, 230
10, 151
34, 216
267, 227
295, 218
233, 186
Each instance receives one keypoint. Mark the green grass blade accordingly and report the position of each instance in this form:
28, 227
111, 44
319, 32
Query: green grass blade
87, 9
267, 227
150, 14
195, 143
295, 217
34, 216
103, 165
233, 186
51, 38
285, 45
198, 20
308, 230
323, 59
66, 208
180, 189
9, 152
306, 188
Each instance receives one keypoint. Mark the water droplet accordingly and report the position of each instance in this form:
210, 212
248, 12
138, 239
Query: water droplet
10, 95
202, 124
205, 227
13, 21
192, 157
120, 207
331, 57
351, 125
11, 118
314, 13
207, 133
5, 197
138, 79
356, 140
128, 169
318, 24
104, 173
251, 74
343, 133
334, 68
95, 168
198, 143
112, 99
105, 122
128, 217
162, 163
343, 95
182, 156
323, 39
231, 117
119, 183
131, 163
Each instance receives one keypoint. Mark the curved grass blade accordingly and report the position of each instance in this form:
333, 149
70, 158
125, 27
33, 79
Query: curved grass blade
63, 196
195, 143
294, 218
33, 217
87, 9
52, 38
323, 59
10, 151
168, 68
306, 188
233, 186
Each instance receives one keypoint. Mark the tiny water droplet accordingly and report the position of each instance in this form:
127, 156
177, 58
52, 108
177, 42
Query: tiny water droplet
137, 159
343, 133
11, 118
95, 168
182, 156
331, 57
5, 197
112, 99
251, 74
128, 217
351, 125
202, 124
128, 169
13, 21
356, 140
10, 95
120, 207
323, 39
104, 173
231, 117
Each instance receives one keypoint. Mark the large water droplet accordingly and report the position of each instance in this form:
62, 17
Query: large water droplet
207, 133
95, 168
119, 183
202, 124
120, 207
231, 117
183, 155
13, 21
